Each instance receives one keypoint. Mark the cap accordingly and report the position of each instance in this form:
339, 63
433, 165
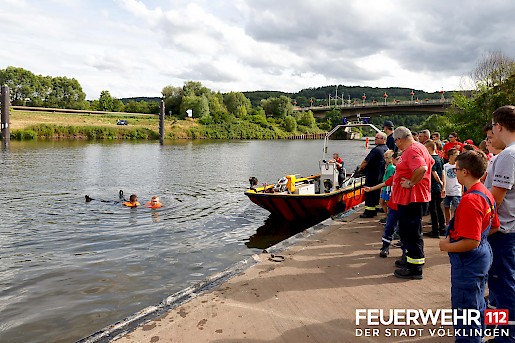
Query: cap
388, 123
469, 141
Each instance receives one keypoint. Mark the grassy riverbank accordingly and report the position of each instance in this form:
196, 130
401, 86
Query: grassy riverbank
26, 125
32, 125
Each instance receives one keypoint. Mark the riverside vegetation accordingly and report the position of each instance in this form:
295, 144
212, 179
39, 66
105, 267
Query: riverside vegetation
238, 115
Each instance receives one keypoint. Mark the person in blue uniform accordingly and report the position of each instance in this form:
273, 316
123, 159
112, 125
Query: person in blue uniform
374, 166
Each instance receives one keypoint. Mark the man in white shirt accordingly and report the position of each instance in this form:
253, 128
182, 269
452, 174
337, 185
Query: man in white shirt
501, 278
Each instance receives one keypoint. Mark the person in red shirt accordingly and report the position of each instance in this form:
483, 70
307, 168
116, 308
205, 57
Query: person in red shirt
412, 184
337, 160
452, 143
469, 251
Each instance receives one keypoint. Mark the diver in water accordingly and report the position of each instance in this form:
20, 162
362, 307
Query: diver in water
120, 196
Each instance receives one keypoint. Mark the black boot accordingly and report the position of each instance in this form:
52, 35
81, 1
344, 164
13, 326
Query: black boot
368, 214
385, 250
409, 272
432, 234
401, 262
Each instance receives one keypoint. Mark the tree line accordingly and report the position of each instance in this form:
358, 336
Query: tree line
272, 113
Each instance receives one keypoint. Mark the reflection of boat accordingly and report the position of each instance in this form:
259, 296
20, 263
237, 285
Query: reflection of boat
315, 196
275, 229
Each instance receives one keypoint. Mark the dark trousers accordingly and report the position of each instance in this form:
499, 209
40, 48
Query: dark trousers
371, 201
435, 210
372, 198
501, 278
410, 230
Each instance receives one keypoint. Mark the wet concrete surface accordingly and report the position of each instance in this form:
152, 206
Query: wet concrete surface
313, 295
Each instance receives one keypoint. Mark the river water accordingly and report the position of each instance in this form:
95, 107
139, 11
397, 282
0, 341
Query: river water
69, 268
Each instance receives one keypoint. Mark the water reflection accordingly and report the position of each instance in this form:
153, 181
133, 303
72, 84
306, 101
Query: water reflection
275, 229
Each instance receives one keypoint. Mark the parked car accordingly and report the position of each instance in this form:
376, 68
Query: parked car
122, 122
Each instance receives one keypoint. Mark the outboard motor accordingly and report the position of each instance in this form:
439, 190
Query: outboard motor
328, 171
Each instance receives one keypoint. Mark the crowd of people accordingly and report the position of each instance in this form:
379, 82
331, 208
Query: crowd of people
468, 192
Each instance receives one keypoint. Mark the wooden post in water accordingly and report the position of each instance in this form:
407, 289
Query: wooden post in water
162, 123
5, 132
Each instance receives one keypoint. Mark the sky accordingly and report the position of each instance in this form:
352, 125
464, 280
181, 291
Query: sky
136, 47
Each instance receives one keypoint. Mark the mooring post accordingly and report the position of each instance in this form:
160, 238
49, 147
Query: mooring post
5, 132
162, 123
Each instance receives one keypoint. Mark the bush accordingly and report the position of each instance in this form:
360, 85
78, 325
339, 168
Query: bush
290, 124
21, 135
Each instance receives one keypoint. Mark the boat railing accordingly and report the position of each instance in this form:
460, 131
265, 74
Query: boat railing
345, 126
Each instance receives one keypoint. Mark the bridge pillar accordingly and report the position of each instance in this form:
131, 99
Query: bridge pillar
5, 132
162, 122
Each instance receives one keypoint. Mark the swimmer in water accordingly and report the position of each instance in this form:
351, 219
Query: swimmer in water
154, 202
133, 201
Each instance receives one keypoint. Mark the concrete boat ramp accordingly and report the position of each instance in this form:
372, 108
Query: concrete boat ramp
312, 295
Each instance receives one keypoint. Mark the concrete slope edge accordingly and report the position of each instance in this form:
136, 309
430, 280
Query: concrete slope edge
128, 324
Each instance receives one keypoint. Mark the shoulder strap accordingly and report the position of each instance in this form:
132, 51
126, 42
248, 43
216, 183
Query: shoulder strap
493, 207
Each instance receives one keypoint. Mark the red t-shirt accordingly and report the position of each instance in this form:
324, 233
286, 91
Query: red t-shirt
473, 214
340, 161
391, 204
449, 145
415, 156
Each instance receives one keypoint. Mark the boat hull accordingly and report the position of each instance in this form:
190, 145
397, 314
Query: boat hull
304, 206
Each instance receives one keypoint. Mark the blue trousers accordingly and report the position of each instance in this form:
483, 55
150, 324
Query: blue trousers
392, 218
469, 272
501, 278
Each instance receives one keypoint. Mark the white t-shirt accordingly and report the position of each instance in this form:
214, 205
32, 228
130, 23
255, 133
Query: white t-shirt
503, 171
452, 186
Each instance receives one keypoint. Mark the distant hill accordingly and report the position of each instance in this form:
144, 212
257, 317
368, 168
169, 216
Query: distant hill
140, 98
320, 95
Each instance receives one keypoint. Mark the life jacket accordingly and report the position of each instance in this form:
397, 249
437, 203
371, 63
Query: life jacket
130, 204
154, 205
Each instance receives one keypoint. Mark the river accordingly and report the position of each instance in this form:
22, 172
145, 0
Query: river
69, 268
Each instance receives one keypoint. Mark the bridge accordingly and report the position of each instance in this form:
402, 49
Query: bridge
376, 108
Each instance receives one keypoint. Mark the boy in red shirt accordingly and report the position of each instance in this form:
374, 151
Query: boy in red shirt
469, 251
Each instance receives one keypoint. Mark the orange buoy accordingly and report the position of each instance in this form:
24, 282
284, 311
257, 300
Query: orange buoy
366, 143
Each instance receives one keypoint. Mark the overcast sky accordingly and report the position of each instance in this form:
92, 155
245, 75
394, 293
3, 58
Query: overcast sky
135, 48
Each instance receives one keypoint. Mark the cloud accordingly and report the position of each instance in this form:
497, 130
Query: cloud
253, 45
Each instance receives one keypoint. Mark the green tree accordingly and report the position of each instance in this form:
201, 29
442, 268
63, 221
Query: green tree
173, 98
234, 100
290, 124
494, 79
216, 104
277, 107
195, 88
22, 84
493, 70
198, 104
307, 119
333, 117
105, 102
241, 112
65, 93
